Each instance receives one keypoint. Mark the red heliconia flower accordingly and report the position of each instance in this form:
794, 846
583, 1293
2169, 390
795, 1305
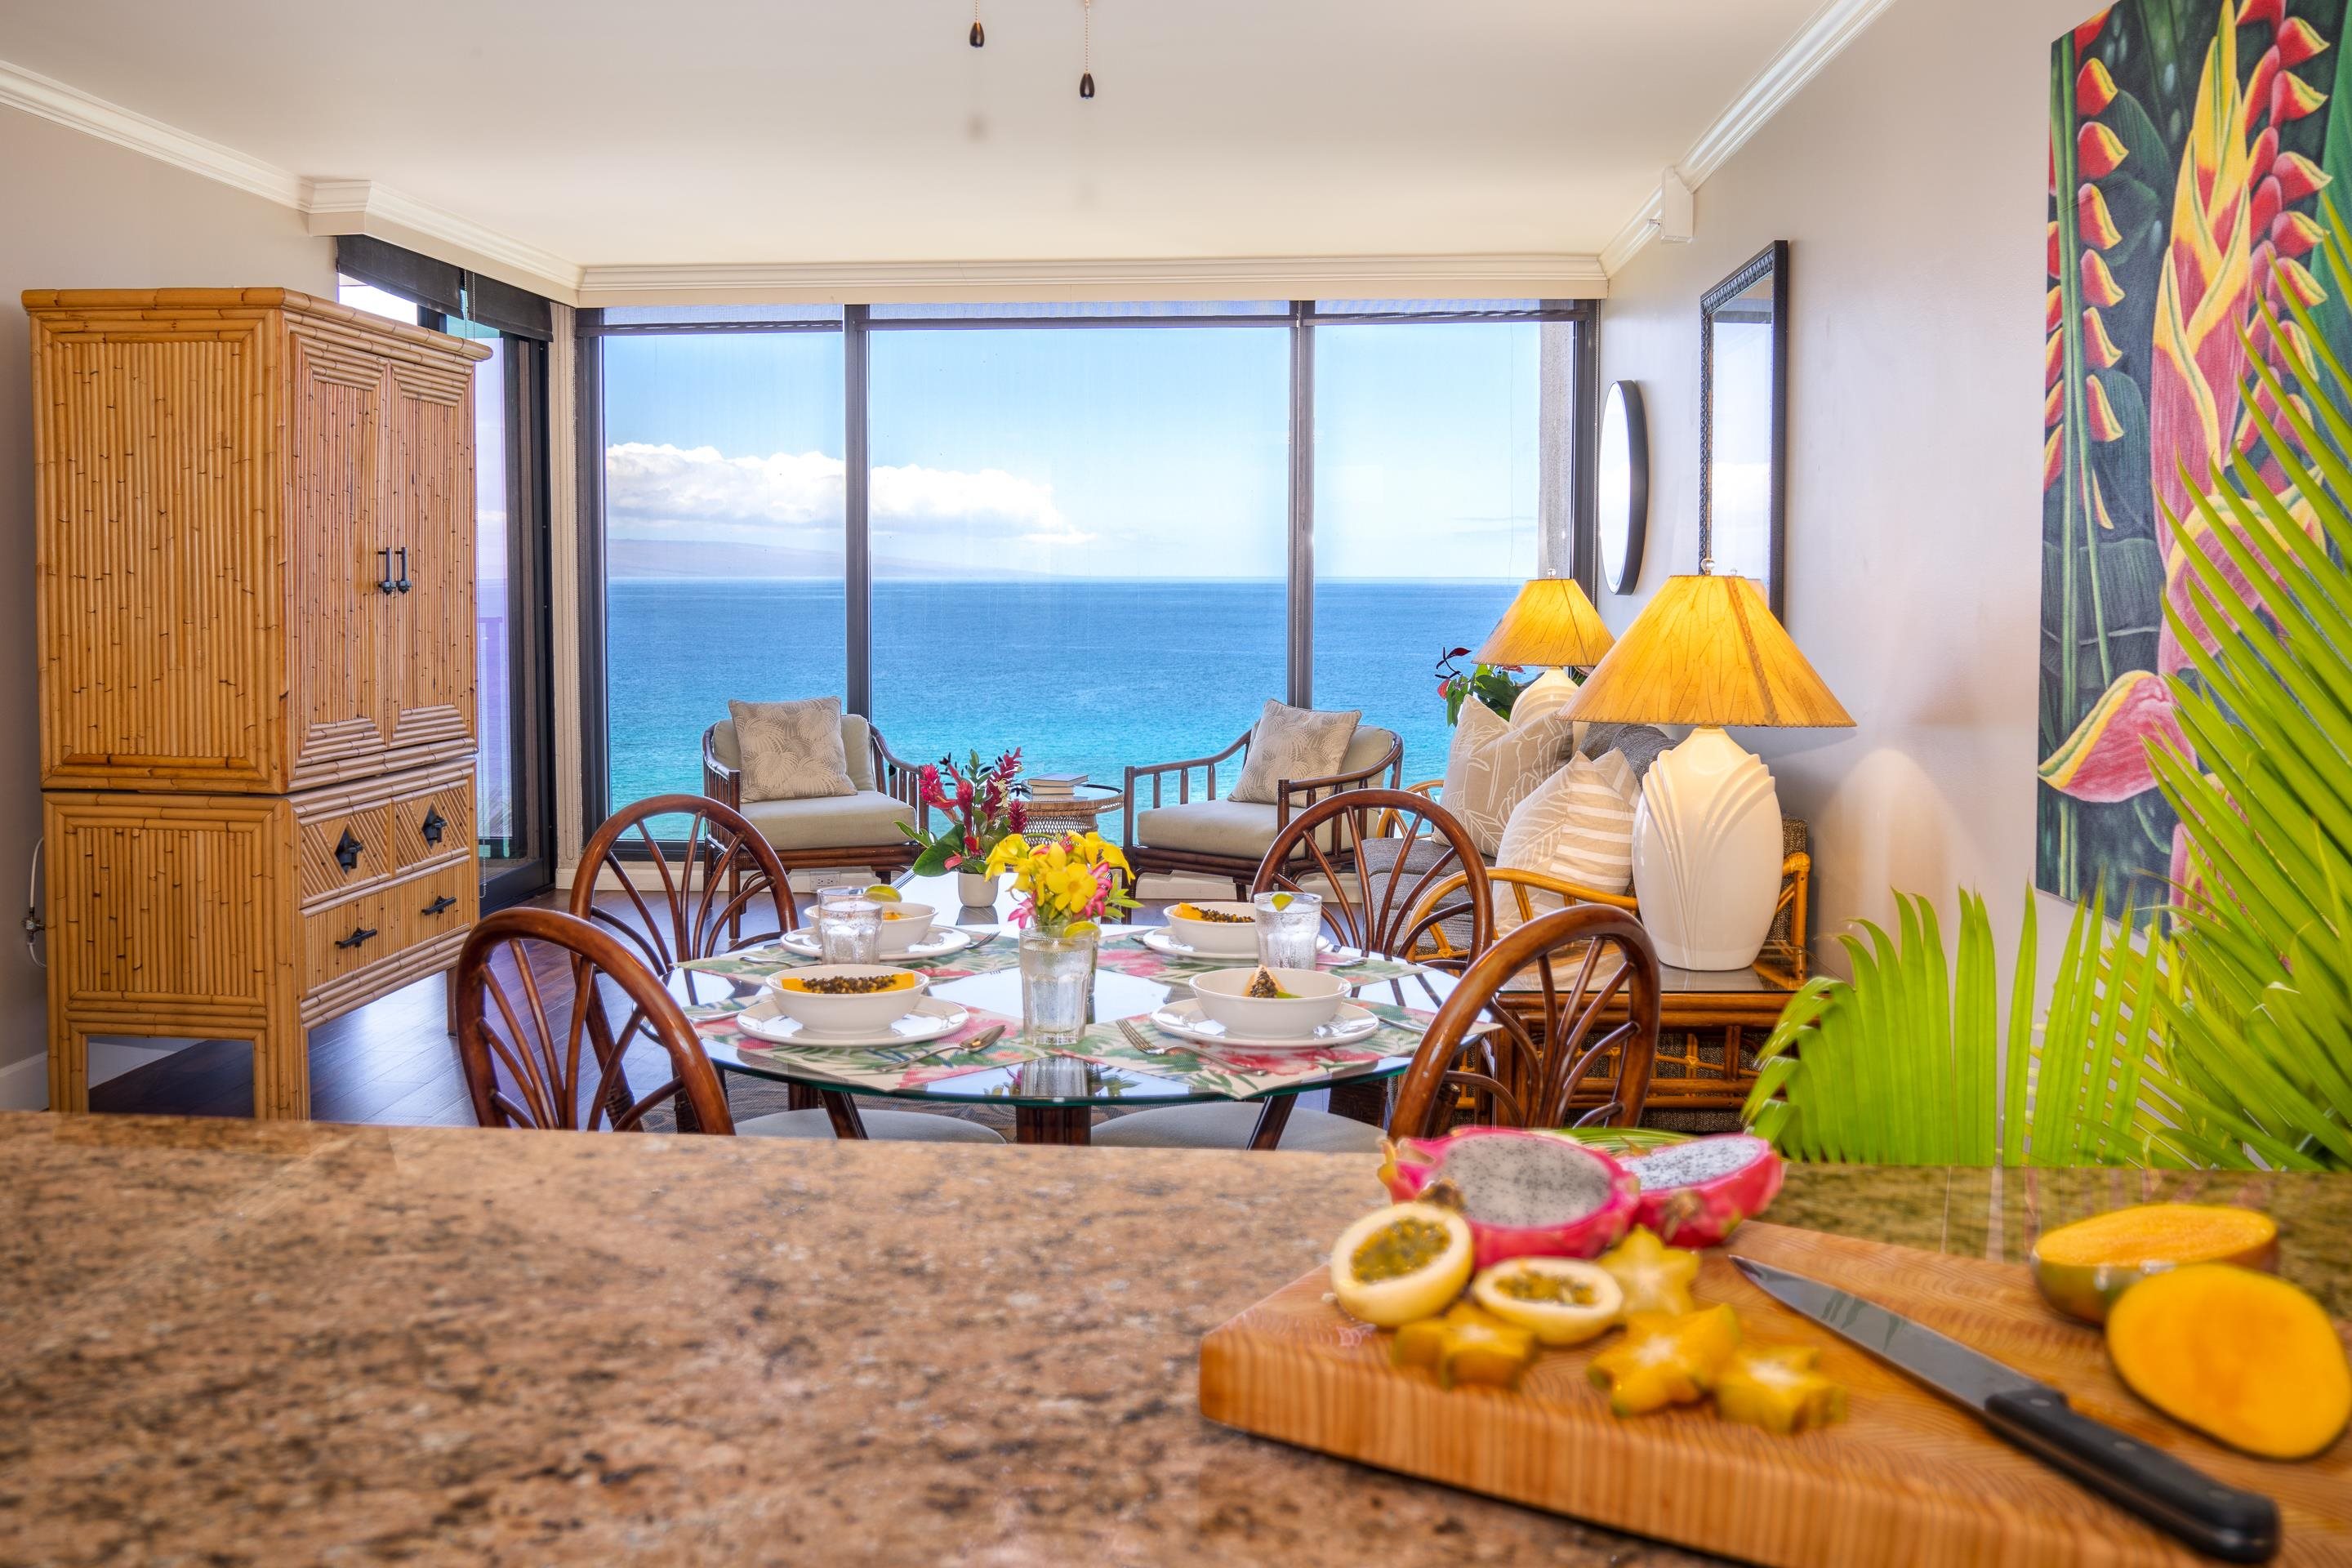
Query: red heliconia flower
2298, 41
2094, 87
2100, 414
2100, 347
2289, 276
2098, 152
2294, 232
2053, 310
2053, 407
2269, 199
2105, 759
2090, 30
2099, 285
2298, 176
2091, 220
2057, 252
2258, 91
2291, 97
2054, 455
2054, 359
2253, 11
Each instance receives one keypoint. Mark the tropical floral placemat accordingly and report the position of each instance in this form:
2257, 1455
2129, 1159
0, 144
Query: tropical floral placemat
995, 950
1122, 951
1127, 953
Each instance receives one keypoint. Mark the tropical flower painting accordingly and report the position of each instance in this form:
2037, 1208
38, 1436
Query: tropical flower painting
2194, 152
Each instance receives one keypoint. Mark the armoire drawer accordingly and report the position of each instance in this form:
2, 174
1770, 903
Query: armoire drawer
348, 849
431, 823
371, 927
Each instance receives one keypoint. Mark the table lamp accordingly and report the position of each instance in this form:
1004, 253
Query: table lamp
1550, 624
1707, 832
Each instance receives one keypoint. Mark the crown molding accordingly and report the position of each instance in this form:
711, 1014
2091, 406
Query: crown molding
69, 106
371, 207
1822, 39
1528, 276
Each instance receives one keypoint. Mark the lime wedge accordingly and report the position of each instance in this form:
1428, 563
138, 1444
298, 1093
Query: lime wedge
882, 893
1081, 928
1280, 900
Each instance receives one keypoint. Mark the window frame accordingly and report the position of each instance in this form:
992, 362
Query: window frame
856, 325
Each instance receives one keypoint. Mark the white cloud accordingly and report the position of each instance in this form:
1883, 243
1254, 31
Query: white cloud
673, 492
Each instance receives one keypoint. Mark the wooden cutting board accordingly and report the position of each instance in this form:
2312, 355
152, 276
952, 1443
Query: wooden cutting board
1906, 1479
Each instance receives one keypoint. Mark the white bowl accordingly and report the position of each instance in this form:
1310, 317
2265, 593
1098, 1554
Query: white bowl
863, 1013
1314, 997
903, 925
1221, 937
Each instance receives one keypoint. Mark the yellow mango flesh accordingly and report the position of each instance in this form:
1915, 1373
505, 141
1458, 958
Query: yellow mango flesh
2243, 1357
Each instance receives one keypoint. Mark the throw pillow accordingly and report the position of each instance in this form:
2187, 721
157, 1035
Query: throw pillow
1506, 770
1474, 728
791, 751
1578, 826
1293, 744
1638, 743
1545, 694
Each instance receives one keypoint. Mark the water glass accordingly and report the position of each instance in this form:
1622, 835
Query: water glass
849, 930
1057, 982
1286, 935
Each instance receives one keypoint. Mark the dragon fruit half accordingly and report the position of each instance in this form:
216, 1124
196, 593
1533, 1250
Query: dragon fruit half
1696, 1193
1526, 1195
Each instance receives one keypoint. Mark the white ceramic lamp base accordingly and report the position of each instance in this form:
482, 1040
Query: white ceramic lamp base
1707, 853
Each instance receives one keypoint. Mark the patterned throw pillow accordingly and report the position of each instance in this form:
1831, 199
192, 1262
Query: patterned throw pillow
1506, 770
1547, 693
791, 751
1293, 744
1638, 743
1475, 727
1578, 826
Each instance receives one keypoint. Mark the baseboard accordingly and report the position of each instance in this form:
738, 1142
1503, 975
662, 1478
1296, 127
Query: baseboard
25, 1086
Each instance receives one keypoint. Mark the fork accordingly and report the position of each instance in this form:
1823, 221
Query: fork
1141, 1041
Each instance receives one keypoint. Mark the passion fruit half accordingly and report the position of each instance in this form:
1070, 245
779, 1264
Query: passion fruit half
1561, 1301
1401, 1263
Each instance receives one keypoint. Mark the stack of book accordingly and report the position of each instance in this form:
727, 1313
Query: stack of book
1055, 786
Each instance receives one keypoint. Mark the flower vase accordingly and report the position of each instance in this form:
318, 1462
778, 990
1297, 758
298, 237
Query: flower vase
977, 890
1058, 985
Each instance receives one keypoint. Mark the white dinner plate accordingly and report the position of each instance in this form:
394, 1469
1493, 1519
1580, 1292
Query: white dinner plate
942, 941
1161, 939
1184, 1020
929, 1020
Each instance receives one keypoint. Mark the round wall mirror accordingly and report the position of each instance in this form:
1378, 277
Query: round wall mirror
1624, 486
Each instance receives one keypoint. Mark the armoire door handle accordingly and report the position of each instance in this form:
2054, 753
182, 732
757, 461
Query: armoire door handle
347, 851
432, 823
402, 583
443, 902
359, 934
384, 584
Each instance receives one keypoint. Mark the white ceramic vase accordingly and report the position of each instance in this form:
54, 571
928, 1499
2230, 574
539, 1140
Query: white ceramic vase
1707, 853
977, 890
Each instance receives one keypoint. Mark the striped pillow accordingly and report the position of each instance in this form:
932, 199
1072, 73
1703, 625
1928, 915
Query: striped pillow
1577, 826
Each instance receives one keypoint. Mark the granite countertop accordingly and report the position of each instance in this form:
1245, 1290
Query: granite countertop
230, 1343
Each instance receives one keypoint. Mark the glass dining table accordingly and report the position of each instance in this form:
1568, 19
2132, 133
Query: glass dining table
1122, 1059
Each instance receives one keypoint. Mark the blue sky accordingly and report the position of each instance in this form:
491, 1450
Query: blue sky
1118, 452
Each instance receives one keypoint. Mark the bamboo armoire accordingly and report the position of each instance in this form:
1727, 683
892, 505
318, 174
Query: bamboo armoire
255, 628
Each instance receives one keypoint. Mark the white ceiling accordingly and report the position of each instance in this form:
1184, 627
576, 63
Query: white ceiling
684, 133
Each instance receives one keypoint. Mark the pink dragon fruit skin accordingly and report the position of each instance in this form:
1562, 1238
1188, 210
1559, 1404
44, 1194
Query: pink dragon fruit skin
1697, 1193
1602, 1193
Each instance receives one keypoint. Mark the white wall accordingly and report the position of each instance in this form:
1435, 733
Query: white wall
1910, 179
79, 213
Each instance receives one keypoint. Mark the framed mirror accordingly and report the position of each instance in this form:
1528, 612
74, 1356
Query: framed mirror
1743, 422
1623, 514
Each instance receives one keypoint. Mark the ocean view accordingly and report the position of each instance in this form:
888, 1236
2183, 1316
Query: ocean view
1084, 674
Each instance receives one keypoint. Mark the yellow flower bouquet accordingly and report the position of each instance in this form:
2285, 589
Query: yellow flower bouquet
1064, 886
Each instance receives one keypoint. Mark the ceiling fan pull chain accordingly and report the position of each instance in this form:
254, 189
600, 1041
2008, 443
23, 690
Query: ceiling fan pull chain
979, 32
1087, 52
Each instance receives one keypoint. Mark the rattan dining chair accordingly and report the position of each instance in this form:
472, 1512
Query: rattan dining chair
711, 868
1373, 857
1552, 989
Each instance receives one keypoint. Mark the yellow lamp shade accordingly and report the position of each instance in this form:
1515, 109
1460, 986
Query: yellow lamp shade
1551, 622
1706, 650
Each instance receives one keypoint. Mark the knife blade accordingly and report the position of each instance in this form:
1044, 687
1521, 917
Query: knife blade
2178, 1498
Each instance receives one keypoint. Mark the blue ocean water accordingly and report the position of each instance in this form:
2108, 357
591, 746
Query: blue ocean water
1086, 676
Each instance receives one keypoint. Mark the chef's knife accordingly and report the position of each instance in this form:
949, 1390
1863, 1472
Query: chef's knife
2240, 1526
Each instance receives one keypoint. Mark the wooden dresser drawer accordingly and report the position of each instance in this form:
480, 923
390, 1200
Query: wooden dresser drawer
348, 849
431, 823
387, 920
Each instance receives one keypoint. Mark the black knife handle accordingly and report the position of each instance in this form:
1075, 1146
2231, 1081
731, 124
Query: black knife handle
2239, 1526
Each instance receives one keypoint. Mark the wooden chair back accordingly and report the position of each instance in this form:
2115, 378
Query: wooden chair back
1375, 855
707, 878
535, 1034
1552, 1028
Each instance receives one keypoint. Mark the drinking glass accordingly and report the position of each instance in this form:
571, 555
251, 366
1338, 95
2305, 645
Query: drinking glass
849, 930
1286, 935
1057, 982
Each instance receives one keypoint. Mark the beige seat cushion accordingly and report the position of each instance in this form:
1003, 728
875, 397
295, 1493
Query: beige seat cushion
856, 746
1293, 744
881, 1126
1241, 829
860, 821
1228, 1125
1369, 745
791, 751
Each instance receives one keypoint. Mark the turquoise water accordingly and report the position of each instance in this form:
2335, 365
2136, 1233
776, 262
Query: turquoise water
1086, 676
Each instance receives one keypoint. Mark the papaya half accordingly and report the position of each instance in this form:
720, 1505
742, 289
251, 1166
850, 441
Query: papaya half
2083, 1267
